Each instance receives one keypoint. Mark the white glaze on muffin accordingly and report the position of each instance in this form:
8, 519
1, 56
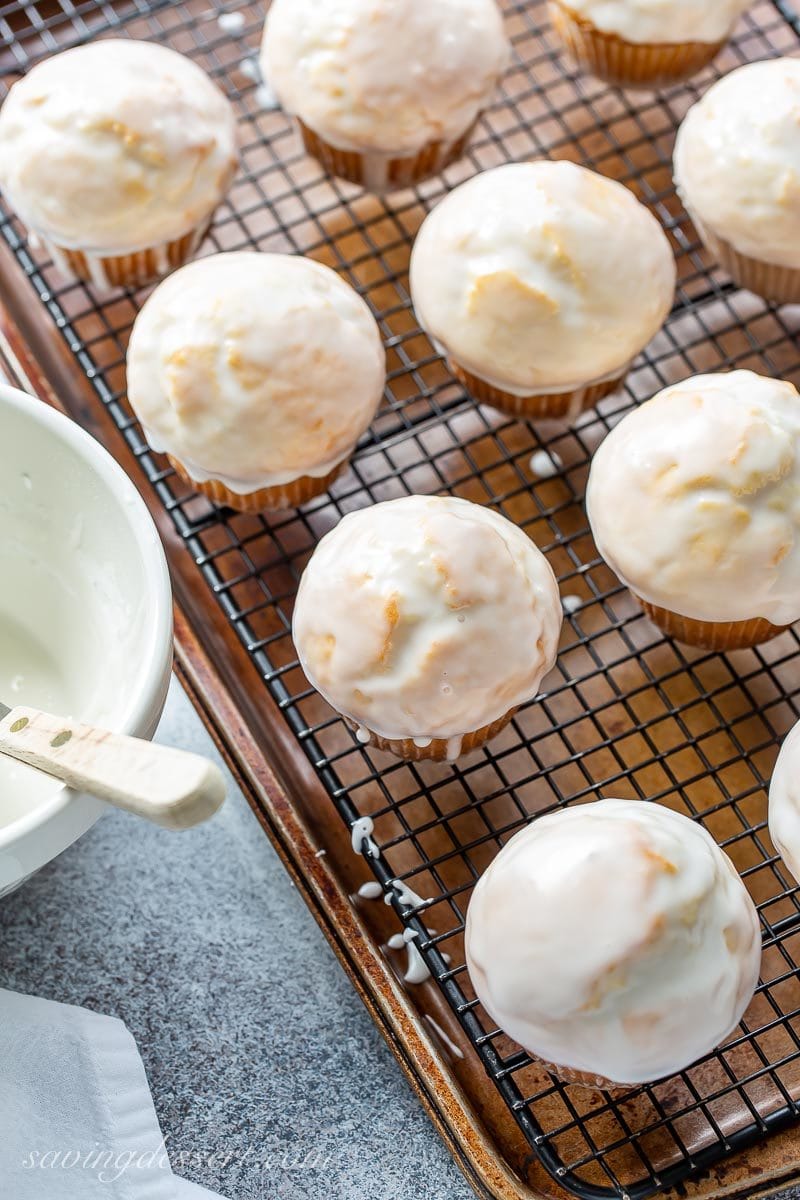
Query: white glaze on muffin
387, 76
737, 160
614, 938
426, 617
662, 21
116, 146
784, 802
255, 369
694, 499
541, 276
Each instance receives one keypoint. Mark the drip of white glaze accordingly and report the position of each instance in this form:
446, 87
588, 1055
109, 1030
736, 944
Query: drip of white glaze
59, 258
266, 98
453, 749
371, 890
97, 272
405, 895
320, 853
422, 743
231, 22
545, 465
571, 604
417, 971
96, 265
576, 404
161, 255
250, 69
363, 735
447, 1041
361, 836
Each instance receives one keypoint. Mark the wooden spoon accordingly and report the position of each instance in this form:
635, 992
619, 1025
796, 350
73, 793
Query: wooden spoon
171, 787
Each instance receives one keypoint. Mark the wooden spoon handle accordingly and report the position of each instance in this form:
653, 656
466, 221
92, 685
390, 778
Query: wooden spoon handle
171, 787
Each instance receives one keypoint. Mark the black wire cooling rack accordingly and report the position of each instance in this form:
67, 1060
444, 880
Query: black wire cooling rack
626, 712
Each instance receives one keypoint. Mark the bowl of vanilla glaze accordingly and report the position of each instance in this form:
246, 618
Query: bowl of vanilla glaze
85, 613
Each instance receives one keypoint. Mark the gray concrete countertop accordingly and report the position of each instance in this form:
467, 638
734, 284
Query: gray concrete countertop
268, 1077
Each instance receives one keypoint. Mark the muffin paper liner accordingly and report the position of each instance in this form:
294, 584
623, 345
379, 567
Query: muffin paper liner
769, 280
628, 64
547, 404
125, 270
438, 749
585, 1079
279, 496
380, 172
712, 635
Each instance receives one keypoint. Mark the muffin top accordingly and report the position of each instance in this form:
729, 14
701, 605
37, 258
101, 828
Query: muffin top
384, 75
255, 369
116, 146
694, 499
426, 617
737, 160
662, 21
784, 802
541, 276
614, 938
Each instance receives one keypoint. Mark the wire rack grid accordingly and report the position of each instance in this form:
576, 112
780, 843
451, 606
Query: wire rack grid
626, 712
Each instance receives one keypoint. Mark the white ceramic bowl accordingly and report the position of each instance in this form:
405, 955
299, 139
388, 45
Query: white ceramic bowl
85, 613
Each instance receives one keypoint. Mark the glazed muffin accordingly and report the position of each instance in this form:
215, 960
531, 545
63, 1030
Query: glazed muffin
541, 282
385, 92
737, 169
614, 941
784, 802
644, 43
425, 622
115, 156
694, 502
256, 374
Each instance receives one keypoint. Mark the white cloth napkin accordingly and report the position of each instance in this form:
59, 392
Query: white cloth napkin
76, 1114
